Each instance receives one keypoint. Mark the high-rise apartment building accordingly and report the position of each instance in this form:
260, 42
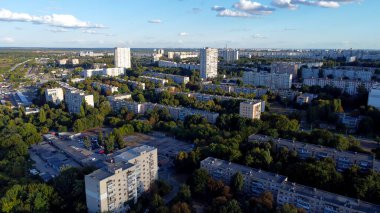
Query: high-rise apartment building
54, 95
209, 63
123, 57
111, 188
230, 55
251, 109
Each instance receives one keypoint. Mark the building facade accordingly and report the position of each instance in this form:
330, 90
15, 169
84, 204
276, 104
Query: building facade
269, 80
122, 57
104, 72
111, 188
343, 159
209, 63
105, 87
374, 96
178, 79
285, 67
54, 95
251, 109
230, 55
310, 199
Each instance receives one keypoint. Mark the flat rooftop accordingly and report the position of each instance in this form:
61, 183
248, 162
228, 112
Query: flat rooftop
109, 170
336, 199
316, 148
244, 170
128, 154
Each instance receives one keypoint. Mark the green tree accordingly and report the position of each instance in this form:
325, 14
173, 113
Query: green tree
199, 181
237, 182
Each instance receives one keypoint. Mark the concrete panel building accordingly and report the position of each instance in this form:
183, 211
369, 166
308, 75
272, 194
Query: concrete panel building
209, 63
122, 57
374, 96
284, 192
269, 80
229, 55
251, 109
54, 95
112, 188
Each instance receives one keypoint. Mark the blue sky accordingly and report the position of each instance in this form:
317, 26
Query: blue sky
191, 23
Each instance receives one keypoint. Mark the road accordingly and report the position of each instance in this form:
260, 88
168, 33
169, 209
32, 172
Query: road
19, 64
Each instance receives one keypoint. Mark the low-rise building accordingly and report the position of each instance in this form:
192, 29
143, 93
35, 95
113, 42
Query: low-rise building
54, 95
104, 72
74, 61
155, 80
178, 79
344, 159
348, 86
105, 87
284, 192
111, 188
133, 84
62, 62
305, 98
177, 113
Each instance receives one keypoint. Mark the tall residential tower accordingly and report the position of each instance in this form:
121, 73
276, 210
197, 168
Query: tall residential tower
123, 57
209, 63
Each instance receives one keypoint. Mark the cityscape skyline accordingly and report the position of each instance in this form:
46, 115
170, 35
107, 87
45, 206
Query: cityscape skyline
293, 24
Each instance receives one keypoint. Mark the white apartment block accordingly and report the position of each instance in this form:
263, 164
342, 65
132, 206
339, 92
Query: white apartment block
62, 61
133, 84
348, 86
305, 98
123, 57
269, 80
75, 61
104, 72
259, 92
209, 63
374, 96
155, 80
54, 95
229, 55
177, 113
90, 54
119, 97
310, 199
109, 189
105, 87
340, 73
343, 159
182, 55
251, 109
75, 97
172, 64
178, 79
284, 67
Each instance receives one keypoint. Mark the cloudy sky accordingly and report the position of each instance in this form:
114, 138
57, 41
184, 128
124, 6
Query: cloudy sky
191, 23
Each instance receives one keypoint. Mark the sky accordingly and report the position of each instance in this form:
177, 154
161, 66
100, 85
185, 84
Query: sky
295, 24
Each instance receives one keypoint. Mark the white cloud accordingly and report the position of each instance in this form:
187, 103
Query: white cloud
55, 20
293, 4
155, 21
183, 34
254, 8
284, 4
232, 13
7, 40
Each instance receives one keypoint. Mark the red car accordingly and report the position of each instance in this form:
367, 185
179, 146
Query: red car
101, 152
